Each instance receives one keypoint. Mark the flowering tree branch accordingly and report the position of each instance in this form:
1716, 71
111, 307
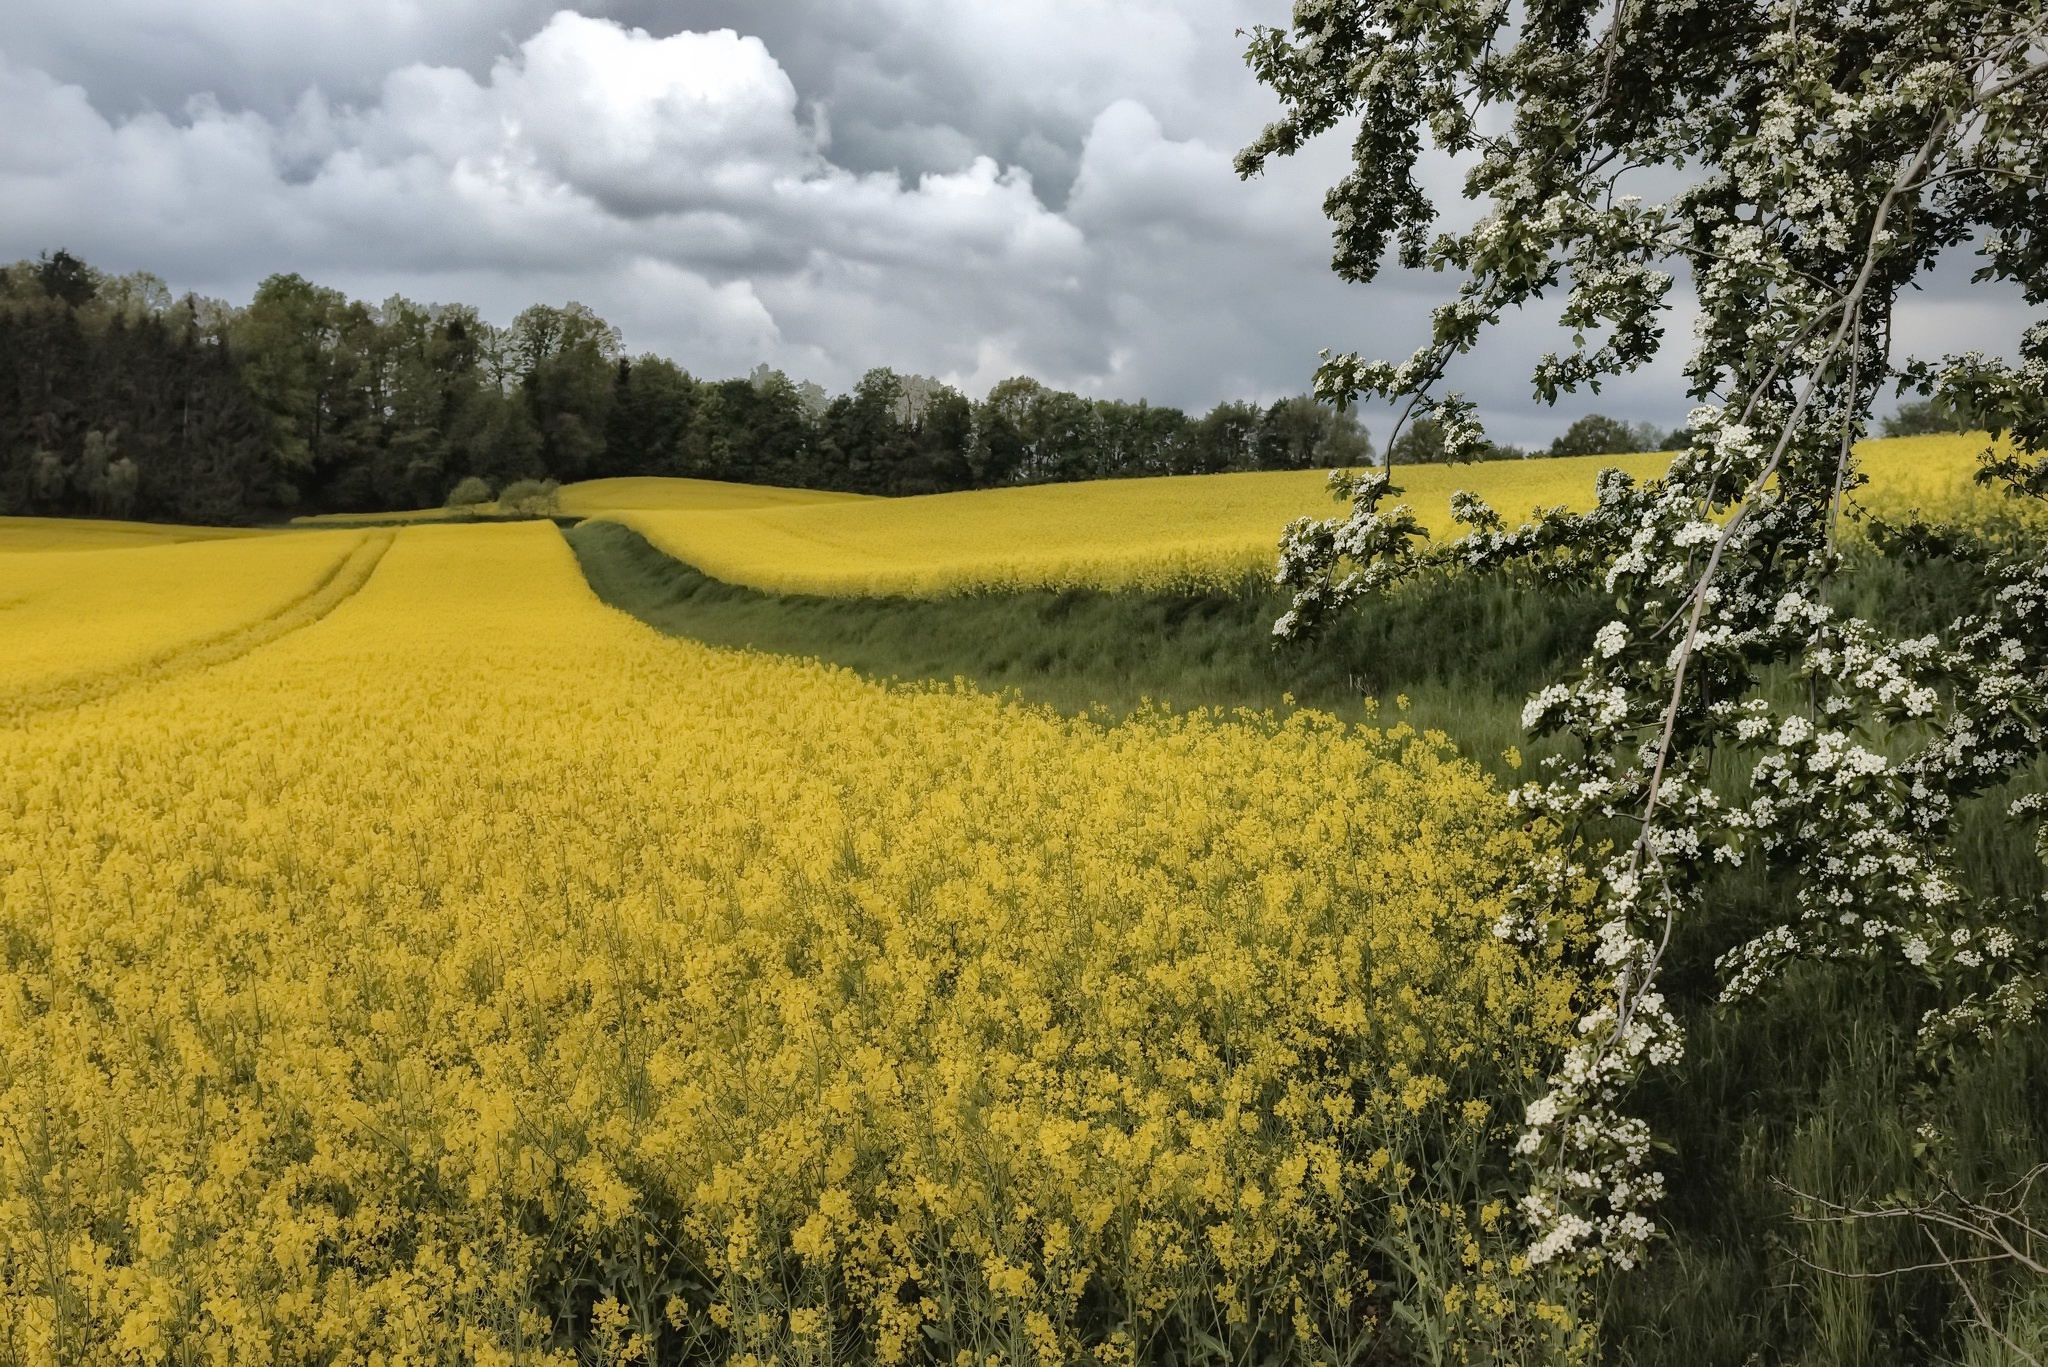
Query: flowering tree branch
1833, 151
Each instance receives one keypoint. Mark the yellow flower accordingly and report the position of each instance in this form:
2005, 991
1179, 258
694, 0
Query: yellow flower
362, 985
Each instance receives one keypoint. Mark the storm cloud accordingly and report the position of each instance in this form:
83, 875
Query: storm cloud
1038, 187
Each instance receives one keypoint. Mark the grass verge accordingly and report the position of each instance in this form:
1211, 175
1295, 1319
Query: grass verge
1463, 653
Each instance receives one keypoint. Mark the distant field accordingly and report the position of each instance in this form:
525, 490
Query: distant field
1933, 475
1177, 532
70, 622
95, 534
597, 497
1189, 531
399, 518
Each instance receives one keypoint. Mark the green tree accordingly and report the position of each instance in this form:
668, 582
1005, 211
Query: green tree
1002, 426
1227, 437
1925, 417
944, 438
307, 354
567, 360
93, 465
285, 337
1030, 433
66, 278
1421, 444
1301, 434
427, 368
110, 403
1136, 439
652, 426
899, 434
760, 430
866, 437
492, 435
1597, 435
124, 479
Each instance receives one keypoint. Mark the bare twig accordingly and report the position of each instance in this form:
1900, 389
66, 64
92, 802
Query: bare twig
1986, 1221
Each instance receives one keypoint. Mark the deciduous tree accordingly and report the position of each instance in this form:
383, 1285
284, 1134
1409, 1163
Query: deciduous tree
1823, 155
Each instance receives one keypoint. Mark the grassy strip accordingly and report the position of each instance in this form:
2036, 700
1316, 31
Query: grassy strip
1464, 653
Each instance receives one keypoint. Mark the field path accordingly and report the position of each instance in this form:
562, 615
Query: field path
342, 581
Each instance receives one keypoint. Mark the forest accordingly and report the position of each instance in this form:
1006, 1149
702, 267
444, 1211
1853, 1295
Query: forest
117, 399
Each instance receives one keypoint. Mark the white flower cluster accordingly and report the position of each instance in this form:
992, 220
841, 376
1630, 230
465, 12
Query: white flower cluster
1591, 1179
1331, 563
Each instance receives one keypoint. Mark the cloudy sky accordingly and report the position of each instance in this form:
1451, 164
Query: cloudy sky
968, 190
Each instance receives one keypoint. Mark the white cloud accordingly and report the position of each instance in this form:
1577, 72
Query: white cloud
1043, 186
697, 122
595, 152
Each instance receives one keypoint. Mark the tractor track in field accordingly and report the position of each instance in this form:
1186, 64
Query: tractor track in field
342, 581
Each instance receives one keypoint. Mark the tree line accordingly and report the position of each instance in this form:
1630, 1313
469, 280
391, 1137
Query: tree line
117, 400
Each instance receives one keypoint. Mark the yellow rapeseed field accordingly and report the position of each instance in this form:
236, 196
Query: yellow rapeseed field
1123, 533
1934, 475
95, 534
597, 497
1190, 530
474, 975
74, 621
400, 518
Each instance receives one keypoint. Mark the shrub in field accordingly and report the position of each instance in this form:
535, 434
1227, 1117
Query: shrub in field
469, 492
476, 976
532, 496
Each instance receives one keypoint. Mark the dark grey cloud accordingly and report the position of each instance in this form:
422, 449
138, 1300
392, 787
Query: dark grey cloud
131, 56
970, 191
924, 85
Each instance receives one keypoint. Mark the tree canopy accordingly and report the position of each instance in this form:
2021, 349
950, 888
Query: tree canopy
114, 399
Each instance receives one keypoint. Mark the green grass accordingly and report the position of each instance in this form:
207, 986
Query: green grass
1816, 1087
1464, 653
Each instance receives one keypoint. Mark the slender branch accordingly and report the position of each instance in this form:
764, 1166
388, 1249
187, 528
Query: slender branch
1635, 980
2014, 82
1886, 1273
1977, 1310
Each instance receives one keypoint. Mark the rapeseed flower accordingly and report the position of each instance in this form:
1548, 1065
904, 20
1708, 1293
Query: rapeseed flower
470, 973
